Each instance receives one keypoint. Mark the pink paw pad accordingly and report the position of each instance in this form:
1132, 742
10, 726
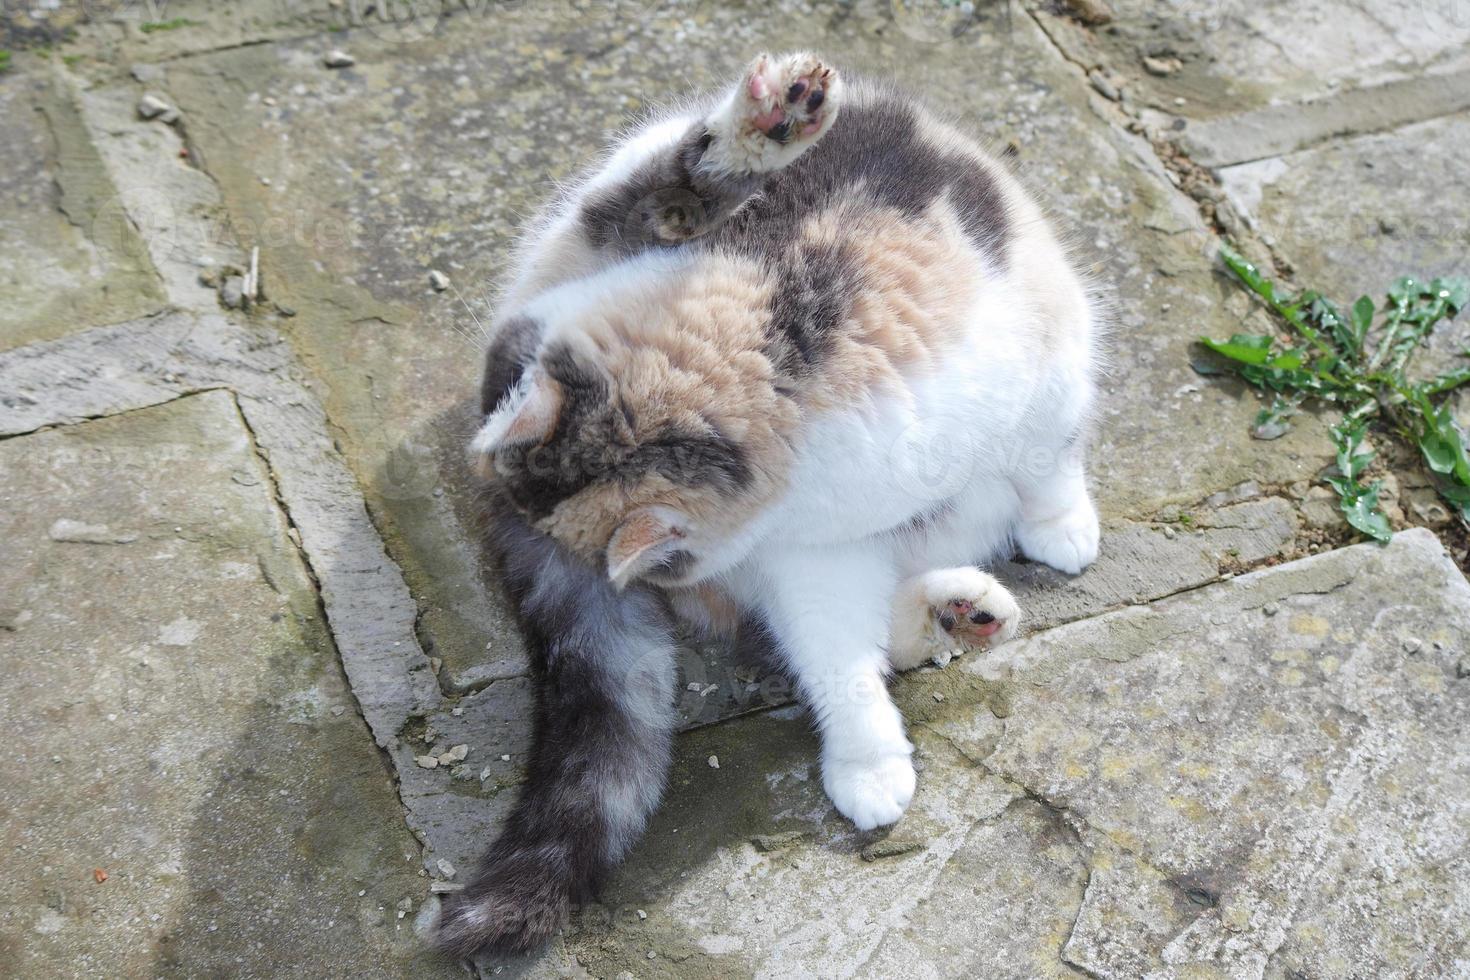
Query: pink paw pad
789, 99
960, 617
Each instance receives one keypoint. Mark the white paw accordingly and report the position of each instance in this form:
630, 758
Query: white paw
947, 612
872, 792
1067, 542
783, 105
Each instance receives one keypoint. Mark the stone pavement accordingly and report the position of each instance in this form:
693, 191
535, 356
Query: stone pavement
228, 633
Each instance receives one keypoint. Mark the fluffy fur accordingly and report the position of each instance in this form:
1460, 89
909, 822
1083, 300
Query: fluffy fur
806, 351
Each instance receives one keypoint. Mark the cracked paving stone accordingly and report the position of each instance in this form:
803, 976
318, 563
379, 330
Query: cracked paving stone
1300, 774
170, 704
1191, 788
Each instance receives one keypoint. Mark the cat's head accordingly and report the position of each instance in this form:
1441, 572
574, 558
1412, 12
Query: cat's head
651, 466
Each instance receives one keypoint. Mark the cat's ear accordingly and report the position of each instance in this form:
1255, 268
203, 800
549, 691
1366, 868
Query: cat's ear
646, 537
528, 414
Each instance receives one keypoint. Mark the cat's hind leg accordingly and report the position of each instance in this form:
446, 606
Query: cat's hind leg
949, 611
781, 107
679, 179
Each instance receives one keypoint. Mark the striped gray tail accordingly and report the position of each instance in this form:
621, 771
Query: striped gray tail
604, 663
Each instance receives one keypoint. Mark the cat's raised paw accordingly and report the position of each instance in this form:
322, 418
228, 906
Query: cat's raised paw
949, 611
782, 106
871, 792
789, 96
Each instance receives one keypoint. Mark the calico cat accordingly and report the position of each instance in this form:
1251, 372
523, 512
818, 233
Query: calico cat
805, 352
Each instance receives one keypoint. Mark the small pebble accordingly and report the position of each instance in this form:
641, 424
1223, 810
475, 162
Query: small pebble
942, 658
152, 106
505, 757
1161, 66
1412, 644
438, 280
427, 761
714, 762
642, 914
361, 892
456, 711
652, 955
709, 690
337, 58
338, 710
694, 686
1169, 532
1104, 86
938, 696
445, 868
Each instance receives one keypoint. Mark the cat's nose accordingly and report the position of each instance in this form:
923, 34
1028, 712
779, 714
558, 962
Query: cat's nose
981, 617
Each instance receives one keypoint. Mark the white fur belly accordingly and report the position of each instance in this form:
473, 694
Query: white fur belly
906, 456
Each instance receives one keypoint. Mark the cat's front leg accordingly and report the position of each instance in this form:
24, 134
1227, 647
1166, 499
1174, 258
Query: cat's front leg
1058, 525
829, 609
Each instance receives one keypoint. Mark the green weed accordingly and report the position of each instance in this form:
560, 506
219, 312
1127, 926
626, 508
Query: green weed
1350, 362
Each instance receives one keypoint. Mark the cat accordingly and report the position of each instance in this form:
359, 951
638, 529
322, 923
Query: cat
804, 352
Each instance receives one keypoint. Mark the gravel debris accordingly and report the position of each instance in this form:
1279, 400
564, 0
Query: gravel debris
445, 868
456, 754
153, 106
438, 280
1162, 67
1412, 644
232, 292
1093, 13
1104, 85
78, 532
337, 58
714, 762
426, 761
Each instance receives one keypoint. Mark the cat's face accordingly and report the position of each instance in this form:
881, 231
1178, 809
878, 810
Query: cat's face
627, 470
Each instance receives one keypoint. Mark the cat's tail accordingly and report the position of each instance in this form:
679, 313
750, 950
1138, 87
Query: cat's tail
605, 667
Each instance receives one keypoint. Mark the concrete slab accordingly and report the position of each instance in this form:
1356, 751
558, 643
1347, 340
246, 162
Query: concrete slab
69, 258
125, 31
350, 227
190, 789
1353, 215
1238, 55
1267, 777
